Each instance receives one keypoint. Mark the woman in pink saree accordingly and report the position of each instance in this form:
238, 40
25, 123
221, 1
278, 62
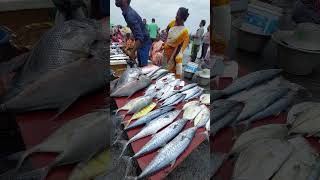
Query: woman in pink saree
157, 51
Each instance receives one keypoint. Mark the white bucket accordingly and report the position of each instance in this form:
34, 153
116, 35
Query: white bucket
262, 18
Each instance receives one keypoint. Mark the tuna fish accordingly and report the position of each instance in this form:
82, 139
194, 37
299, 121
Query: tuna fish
274, 109
262, 159
154, 126
140, 104
226, 119
220, 108
130, 104
77, 141
59, 46
162, 138
260, 102
189, 86
270, 131
299, 164
132, 87
174, 100
60, 88
246, 82
159, 73
149, 117
169, 153
128, 76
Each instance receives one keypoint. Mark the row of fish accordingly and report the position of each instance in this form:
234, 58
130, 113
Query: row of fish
251, 98
163, 122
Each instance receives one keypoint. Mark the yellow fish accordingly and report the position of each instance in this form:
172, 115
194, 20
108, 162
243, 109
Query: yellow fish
142, 112
91, 169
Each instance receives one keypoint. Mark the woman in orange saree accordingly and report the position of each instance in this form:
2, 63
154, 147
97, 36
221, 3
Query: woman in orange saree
157, 51
177, 41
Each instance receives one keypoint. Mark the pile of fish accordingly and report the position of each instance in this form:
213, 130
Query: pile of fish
251, 98
84, 139
158, 112
58, 70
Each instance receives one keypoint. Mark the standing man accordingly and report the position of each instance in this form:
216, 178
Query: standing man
146, 24
205, 43
197, 38
142, 43
153, 30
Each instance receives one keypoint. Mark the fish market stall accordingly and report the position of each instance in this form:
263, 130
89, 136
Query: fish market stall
118, 60
164, 121
233, 144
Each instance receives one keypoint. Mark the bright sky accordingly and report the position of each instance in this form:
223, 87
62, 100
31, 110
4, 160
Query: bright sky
164, 11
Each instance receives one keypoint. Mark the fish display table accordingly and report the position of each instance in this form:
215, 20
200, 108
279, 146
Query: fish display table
36, 126
137, 145
223, 141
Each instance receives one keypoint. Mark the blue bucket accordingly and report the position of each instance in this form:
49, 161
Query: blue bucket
4, 36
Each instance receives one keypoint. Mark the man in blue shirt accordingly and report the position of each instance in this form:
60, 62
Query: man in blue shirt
141, 35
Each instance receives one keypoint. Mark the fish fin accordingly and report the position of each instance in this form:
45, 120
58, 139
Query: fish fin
39, 174
14, 64
64, 107
173, 163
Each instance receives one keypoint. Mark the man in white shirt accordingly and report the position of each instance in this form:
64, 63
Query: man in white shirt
197, 41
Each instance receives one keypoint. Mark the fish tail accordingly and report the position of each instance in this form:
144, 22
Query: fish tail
216, 94
39, 174
124, 149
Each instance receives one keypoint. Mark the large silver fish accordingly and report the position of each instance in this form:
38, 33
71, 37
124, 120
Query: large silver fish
169, 153
59, 46
129, 89
149, 117
131, 74
59, 88
76, 141
154, 126
246, 82
162, 137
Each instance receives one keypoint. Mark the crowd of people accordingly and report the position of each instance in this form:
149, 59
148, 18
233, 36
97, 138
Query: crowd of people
143, 41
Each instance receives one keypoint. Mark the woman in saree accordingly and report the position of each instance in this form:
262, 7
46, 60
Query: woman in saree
177, 41
157, 51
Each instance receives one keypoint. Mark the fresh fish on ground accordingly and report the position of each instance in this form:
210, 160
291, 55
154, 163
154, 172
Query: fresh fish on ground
246, 82
150, 90
315, 173
149, 117
77, 79
142, 112
129, 75
76, 141
205, 99
154, 126
168, 94
297, 109
191, 103
169, 153
203, 117
152, 72
220, 107
163, 90
274, 109
299, 164
159, 73
130, 104
196, 95
148, 69
169, 75
174, 100
190, 92
307, 122
90, 169
191, 112
189, 86
140, 104
61, 45
226, 120
262, 159
162, 138
270, 131
260, 102
132, 87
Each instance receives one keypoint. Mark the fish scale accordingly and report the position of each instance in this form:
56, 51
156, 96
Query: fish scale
169, 153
